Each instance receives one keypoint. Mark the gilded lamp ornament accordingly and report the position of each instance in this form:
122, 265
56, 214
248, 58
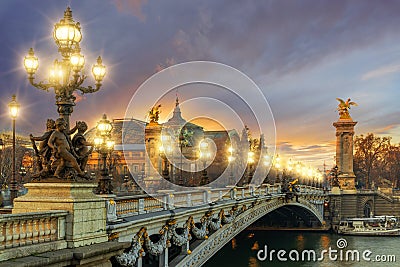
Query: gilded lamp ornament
66, 75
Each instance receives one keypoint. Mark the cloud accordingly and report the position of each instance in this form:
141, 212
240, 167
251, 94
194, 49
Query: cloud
380, 72
78, 96
134, 6
314, 155
168, 62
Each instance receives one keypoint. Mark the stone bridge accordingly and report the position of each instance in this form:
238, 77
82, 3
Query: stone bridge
187, 228
167, 229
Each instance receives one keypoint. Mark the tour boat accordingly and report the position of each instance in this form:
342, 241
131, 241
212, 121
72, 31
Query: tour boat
374, 226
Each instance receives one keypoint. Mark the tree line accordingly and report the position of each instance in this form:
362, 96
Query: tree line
376, 161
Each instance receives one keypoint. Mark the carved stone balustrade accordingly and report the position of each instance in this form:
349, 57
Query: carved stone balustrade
33, 232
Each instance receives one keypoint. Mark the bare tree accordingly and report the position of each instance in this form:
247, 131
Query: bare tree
6, 163
370, 157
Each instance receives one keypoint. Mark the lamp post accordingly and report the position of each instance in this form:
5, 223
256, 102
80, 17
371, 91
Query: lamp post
204, 156
231, 158
165, 149
250, 163
1, 164
267, 163
181, 141
67, 75
14, 109
277, 164
126, 178
104, 147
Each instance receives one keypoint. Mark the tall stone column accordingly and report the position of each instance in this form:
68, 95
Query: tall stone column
152, 139
344, 146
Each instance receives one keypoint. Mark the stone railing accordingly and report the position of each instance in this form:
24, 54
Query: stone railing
168, 199
32, 228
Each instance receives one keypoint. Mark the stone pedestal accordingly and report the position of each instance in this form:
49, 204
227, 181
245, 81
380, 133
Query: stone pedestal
344, 152
335, 190
86, 221
152, 142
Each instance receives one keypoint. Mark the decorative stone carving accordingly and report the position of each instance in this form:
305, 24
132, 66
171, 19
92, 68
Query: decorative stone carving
168, 233
58, 156
129, 258
210, 228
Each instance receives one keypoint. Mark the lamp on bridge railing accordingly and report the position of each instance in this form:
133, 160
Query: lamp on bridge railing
67, 75
290, 165
2, 178
14, 110
204, 156
277, 165
289, 168
104, 146
310, 176
231, 159
320, 180
165, 149
250, 164
267, 164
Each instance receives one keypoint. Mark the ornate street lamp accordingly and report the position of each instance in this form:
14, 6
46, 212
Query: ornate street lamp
165, 149
67, 75
14, 109
267, 164
104, 147
250, 163
204, 156
231, 158
309, 175
2, 180
277, 164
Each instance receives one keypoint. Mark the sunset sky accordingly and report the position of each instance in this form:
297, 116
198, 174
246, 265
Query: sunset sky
301, 54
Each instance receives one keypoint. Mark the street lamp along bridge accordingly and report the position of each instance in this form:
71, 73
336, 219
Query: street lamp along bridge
66, 77
61, 189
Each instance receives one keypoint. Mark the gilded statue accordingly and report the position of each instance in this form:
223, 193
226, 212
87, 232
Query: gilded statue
154, 114
344, 107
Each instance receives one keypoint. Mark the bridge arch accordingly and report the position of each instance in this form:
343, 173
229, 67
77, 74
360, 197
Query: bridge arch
219, 238
212, 225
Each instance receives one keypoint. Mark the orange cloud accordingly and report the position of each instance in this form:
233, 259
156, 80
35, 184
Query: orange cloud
134, 6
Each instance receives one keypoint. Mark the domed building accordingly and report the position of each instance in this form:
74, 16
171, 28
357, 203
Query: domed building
134, 136
134, 158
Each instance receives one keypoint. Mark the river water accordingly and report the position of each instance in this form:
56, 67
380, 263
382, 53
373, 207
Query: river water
298, 250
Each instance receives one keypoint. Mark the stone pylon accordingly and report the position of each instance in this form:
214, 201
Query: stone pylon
153, 160
344, 152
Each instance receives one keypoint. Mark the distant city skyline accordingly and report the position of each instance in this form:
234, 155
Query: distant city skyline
301, 54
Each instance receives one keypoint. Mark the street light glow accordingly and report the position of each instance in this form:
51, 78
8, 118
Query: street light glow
99, 70
31, 63
104, 126
77, 61
67, 34
13, 107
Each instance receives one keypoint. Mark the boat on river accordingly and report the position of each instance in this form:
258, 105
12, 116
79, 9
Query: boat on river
374, 226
